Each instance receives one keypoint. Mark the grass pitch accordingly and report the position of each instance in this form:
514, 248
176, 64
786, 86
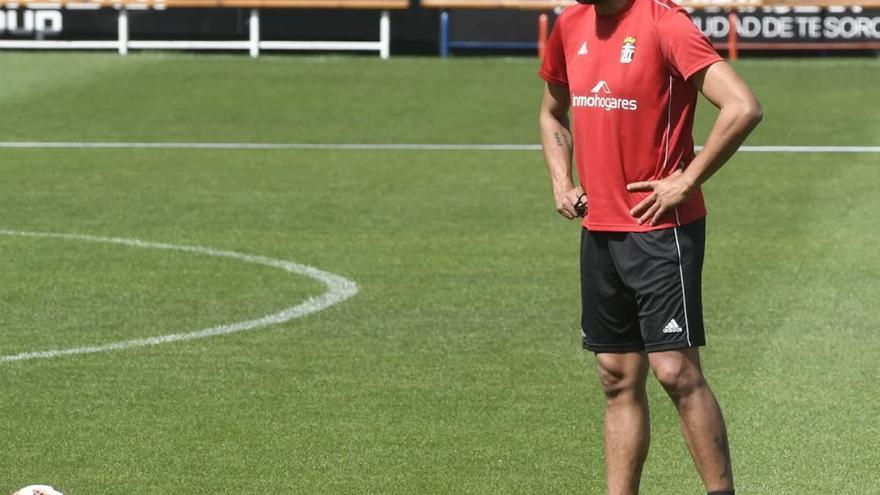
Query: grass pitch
457, 368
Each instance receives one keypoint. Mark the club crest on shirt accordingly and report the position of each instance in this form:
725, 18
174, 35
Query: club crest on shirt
628, 51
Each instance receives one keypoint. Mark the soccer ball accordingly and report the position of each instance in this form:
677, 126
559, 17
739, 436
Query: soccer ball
38, 490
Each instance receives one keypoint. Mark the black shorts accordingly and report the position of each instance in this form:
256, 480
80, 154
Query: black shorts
641, 290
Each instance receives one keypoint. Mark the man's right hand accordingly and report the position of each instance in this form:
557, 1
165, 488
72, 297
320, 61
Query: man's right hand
566, 201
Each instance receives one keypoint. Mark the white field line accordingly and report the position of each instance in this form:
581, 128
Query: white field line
338, 290
378, 147
808, 149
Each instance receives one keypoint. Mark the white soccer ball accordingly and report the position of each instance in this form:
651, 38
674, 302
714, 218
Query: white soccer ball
38, 490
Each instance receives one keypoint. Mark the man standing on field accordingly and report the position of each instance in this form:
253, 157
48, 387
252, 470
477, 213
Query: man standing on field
629, 71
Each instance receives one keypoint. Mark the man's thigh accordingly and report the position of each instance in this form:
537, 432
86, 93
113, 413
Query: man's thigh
664, 268
609, 318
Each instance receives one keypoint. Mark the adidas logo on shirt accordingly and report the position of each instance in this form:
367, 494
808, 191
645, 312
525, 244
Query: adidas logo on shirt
672, 327
583, 50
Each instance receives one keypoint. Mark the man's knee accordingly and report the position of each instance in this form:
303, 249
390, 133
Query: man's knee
614, 383
620, 379
679, 376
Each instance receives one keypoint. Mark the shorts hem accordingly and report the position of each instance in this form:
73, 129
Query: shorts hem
672, 346
599, 348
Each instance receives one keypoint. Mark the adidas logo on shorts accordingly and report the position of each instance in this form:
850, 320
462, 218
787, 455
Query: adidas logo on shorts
672, 327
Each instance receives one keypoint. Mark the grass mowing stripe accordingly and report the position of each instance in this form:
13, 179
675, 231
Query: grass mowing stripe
315, 99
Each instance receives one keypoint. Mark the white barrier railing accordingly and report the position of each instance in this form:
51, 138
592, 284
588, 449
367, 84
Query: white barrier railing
254, 44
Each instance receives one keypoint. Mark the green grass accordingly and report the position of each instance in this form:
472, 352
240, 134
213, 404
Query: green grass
457, 367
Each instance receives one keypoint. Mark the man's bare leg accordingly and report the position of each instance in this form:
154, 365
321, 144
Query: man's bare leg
627, 429
702, 423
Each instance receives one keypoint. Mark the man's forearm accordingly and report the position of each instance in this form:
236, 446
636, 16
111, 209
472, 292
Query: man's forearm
557, 147
732, 127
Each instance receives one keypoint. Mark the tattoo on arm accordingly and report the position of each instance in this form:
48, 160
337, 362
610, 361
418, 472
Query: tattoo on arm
562, 140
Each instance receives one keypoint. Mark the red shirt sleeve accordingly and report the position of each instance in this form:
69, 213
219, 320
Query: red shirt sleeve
683, 45
553, 68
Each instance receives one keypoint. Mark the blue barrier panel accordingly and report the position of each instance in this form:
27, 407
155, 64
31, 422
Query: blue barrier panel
446, 44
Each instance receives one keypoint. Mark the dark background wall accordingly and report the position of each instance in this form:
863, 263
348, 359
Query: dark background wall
413, 31
416, 30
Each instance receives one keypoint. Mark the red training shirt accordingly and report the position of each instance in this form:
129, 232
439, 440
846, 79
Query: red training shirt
632, 107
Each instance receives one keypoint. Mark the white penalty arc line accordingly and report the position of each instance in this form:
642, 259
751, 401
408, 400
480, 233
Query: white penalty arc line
378, 147
338, 289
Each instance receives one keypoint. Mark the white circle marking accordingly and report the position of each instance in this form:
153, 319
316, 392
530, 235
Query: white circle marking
338, 289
